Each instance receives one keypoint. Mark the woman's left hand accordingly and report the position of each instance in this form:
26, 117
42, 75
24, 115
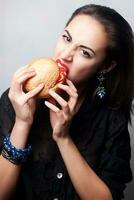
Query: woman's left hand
61, 118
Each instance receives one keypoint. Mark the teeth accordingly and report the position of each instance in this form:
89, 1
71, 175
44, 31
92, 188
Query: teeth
59, 65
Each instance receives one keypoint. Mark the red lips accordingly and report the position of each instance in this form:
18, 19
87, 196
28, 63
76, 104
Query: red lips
63, 71
62, 66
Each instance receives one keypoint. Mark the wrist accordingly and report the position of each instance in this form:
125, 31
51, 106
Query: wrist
60, 136
63, 140
22, 123
20, 133
15, 155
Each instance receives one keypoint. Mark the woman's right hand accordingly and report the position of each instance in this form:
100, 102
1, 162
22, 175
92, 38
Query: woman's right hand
23, 103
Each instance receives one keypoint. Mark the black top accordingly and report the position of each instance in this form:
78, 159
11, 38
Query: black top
100, 134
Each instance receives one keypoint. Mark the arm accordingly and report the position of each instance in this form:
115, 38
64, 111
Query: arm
9, 173
24, 107
86, 183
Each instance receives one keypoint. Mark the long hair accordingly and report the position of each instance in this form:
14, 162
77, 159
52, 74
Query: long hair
120, 80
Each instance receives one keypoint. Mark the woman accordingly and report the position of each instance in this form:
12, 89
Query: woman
80, 141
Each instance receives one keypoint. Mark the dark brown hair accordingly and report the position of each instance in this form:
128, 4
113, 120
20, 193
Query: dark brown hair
120, 80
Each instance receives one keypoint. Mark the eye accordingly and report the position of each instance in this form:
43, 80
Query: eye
85, 53
66, 38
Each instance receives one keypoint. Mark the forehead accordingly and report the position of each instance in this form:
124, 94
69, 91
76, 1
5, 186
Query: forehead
88, 31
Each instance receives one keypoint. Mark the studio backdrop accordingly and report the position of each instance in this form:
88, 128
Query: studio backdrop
29, 29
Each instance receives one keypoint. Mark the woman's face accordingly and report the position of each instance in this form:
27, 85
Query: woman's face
82, 47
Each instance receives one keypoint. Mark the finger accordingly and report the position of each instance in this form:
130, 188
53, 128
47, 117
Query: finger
25, 76
70, 83
34, 92
23, 71
72, 101
73, 95
68, 89
26, 71
58, 98
17, 83
51, 106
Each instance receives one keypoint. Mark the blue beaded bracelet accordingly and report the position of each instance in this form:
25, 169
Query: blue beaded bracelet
13, 154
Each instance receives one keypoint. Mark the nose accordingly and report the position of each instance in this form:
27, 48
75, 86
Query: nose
68, 54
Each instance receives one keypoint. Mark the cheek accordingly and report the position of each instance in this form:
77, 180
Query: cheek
82, 71
56, 52
85, 73
58, 49
85, 67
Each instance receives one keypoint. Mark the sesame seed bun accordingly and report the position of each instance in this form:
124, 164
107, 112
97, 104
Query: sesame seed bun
47, 72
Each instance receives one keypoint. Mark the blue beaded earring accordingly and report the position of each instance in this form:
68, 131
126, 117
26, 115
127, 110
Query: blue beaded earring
101, 90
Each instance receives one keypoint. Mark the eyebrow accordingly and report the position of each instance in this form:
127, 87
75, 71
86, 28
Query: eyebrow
85, 47
68, 34
82, 46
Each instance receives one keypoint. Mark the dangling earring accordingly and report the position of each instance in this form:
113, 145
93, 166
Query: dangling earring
101, 90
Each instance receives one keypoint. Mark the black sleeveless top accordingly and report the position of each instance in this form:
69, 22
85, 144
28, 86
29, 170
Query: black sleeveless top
100, 134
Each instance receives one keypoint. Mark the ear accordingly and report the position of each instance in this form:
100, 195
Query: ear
111, 66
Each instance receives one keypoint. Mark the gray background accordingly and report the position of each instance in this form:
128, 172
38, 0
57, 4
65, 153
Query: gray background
29, 29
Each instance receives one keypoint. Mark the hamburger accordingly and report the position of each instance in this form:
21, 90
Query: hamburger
49, 72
